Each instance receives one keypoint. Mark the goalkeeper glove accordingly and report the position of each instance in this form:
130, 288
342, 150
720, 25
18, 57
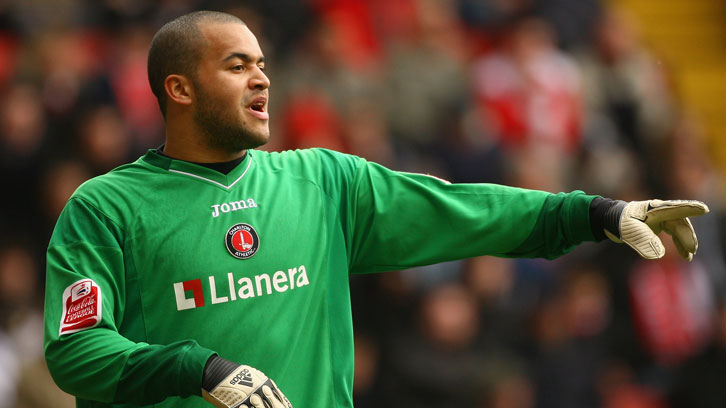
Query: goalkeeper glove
637, 224
229, 385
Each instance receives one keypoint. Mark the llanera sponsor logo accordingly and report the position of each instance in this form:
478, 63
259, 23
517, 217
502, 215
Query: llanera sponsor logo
190, 294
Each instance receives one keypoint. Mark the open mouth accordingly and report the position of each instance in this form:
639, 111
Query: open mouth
258, 109
258, 106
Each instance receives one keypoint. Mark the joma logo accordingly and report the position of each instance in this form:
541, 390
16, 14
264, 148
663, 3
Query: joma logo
232, 206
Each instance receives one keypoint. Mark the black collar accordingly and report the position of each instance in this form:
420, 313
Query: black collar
223, 167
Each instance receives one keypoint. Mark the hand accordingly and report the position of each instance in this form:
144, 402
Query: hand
246, 387
641, 221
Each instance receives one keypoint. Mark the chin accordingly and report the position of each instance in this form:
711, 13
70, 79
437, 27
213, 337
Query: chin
258, 139
262, 135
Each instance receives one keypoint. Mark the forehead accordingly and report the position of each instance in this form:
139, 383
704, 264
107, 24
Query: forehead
223, 39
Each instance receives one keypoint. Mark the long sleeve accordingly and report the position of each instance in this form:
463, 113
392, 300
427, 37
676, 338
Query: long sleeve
401, 220
84, 308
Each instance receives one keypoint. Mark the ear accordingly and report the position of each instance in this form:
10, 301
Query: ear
179, 89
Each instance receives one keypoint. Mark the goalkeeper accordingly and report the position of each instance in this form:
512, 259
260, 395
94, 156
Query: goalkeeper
205, 270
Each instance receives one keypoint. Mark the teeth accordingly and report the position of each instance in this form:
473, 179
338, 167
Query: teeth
258, 106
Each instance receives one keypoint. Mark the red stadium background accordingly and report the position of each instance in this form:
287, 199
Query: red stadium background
618, 98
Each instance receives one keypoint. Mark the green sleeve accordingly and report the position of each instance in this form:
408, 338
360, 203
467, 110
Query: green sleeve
400, 220
98, 363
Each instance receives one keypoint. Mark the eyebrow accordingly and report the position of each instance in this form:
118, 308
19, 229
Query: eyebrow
244, 57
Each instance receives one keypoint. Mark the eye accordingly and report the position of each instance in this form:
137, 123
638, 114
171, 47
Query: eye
238, 67
261, 67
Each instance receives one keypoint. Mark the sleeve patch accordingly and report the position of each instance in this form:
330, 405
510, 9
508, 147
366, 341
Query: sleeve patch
81, 307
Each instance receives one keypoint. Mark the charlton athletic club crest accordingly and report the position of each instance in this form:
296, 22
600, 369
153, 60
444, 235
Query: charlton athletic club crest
242, 241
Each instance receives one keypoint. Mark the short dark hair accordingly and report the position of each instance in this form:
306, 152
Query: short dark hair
177, 47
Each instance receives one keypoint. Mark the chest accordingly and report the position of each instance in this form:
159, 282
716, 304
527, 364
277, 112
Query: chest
210, 256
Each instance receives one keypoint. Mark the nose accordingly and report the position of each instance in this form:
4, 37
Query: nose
259, 80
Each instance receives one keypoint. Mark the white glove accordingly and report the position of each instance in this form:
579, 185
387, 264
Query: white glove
246, 387
640, 221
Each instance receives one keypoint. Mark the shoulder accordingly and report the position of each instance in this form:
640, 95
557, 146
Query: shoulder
334, 173
123, 178
315, 154
314, 162
120, 190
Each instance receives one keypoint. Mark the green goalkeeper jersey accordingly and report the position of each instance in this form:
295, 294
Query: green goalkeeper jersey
159, 264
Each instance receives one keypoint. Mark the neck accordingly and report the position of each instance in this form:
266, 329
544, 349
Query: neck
185, 141
193, 151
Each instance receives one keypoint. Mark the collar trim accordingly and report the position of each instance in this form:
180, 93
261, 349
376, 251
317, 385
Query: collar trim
249, 163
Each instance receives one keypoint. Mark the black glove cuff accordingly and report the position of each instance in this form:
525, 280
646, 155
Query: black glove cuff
605, 215
216, 370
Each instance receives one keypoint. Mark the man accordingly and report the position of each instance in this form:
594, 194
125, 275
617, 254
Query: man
204, 264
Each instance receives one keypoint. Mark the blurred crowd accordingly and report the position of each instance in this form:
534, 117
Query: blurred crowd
554, 95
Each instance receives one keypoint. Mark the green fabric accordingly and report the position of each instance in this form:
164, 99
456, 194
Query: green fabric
151, 236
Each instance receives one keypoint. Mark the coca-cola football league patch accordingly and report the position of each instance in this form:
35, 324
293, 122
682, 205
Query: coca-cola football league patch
81, 306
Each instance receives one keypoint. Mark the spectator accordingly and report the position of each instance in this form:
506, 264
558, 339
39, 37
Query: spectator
470, 90
531, 91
